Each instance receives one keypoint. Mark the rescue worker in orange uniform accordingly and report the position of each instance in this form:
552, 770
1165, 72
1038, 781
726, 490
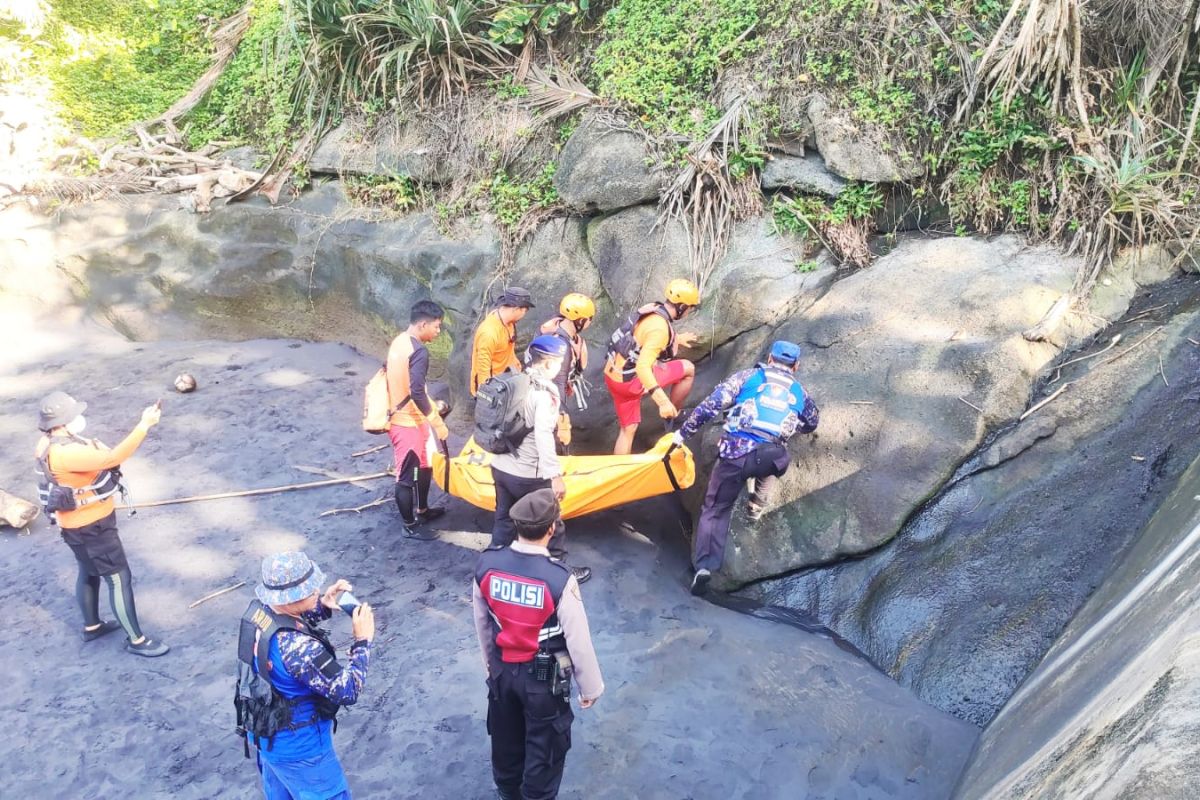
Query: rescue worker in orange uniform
78, 479
494, 348
415, 420
641, 361
575, 314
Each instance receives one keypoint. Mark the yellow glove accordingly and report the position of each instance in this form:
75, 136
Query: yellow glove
564, 430
439, 427
666, 409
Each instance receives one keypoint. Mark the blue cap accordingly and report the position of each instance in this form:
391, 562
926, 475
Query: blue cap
549, 345
785, 352
288, 577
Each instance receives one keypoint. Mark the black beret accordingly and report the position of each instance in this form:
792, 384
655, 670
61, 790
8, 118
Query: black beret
535, 512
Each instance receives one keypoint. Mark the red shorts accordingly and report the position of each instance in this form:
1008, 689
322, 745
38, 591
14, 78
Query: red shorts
627, 396
407, 440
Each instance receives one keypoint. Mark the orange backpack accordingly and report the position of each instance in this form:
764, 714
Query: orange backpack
377, 408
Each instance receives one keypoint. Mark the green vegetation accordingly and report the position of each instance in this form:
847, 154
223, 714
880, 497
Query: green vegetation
1077, 127
252, 100
390, 192
120, 61
510, 199
660, 58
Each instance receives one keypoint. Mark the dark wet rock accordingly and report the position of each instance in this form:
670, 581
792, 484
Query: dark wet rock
975, 589
858, 151
1112, 709
603, 169
636, 255
805, 174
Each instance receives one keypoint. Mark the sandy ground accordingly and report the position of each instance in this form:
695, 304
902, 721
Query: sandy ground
702, 702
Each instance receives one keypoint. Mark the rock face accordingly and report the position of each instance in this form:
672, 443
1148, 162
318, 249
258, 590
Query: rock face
757, 284
394, 149
806, 174
889, 353
308, 269
1112, 710
1062, 494
602, 169
857, 151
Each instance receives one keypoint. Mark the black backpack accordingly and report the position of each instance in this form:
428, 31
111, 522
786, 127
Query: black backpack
500, 423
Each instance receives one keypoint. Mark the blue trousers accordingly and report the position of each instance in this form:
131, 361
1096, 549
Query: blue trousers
317, 778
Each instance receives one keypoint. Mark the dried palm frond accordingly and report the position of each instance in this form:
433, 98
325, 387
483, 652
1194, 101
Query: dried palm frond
555, 92
706, 199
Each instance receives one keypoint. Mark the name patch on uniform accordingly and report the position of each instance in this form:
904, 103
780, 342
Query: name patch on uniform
530, 595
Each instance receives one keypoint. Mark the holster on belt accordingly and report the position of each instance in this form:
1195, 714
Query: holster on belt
561, 685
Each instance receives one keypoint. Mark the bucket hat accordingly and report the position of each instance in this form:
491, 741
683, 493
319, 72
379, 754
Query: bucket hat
288, 577
58, 408
516, 297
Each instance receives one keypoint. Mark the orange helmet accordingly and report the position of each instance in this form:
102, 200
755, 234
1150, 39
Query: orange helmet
576, 306
683, 292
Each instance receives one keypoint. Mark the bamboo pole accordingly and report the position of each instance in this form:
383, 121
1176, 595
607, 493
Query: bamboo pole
255, 492
218, 593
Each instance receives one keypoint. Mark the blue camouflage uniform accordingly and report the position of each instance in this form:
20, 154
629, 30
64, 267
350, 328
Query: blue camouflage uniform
743, 454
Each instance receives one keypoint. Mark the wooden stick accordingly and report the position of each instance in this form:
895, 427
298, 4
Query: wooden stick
1163, 372
862, 402
357, 509
218, 593
330, 474
369, 450
1131, 348
1111, 345
972, 405
255, 492
1061, 389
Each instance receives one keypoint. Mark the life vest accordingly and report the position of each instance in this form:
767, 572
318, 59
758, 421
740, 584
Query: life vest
768, 407
262, 709
623, 343
55, 497
557, 326
523, 592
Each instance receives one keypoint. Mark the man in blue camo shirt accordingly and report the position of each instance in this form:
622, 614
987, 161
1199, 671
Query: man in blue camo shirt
298, 762
763, 408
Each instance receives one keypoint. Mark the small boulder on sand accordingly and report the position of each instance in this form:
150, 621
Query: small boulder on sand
15, 512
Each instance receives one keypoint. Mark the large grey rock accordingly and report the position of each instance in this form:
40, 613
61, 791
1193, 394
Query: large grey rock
806, 174
974, 590
393, 147
602, 169
1111, 712
637, 256
890, 352
553, 262
762, 281
859, 151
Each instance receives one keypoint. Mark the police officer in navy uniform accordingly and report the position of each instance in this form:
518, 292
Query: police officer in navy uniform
535, 640
764, 407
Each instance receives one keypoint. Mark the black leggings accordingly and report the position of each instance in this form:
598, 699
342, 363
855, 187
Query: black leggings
412, 488
120, 596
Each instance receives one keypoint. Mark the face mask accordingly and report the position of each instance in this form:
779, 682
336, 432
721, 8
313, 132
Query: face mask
76, 426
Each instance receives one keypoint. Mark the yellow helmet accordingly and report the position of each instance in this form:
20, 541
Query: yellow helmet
683, 292
576, 306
